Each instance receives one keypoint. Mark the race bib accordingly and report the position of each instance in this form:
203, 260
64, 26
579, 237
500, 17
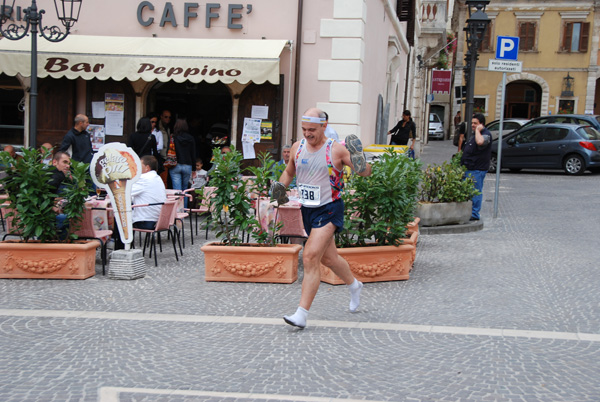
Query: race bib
309, 195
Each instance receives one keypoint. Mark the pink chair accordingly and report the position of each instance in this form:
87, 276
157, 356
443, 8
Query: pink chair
88, 231
166, 220
181, 215
10, 216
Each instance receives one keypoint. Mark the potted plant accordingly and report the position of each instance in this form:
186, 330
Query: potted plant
376, 239
445, 194
44, 252
232, 217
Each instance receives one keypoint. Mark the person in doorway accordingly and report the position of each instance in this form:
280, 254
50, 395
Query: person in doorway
156, 132
403, 131
143, 142
185, 149
149, 189
476, 157
164, 126
78, 139
318, 166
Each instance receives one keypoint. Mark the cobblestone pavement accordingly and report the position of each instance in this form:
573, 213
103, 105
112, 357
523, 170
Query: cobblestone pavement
509, 313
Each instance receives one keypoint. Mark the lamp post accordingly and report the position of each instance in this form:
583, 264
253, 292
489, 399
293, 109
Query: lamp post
68, 14
476, 25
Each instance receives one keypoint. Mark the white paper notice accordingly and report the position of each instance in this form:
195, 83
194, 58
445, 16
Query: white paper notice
251, 131
248, 150
260, 112
114, 123
98, 110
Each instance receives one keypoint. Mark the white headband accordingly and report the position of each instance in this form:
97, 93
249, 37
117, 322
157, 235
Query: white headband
311, 119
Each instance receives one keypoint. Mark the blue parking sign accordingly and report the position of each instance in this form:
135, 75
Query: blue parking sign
507, 48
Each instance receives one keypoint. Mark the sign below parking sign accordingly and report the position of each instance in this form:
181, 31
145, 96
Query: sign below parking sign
507, 48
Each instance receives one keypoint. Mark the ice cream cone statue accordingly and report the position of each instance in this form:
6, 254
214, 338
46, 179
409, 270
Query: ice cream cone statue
115, 167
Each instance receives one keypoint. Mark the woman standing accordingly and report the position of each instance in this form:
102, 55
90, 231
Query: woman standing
142, 141
185, 150
404, 130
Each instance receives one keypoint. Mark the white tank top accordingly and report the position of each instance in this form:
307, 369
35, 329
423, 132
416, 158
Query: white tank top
314, 171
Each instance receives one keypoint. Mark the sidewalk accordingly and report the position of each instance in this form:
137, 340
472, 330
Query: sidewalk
509, 313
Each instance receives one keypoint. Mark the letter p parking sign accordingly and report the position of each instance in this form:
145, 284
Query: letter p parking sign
507, 48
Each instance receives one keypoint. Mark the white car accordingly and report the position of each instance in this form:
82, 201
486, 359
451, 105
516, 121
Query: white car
436, 127
508, 126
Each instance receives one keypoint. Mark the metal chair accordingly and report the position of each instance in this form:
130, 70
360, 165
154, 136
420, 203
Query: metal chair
88, 231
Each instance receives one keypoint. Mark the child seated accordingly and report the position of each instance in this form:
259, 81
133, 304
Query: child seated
199, 177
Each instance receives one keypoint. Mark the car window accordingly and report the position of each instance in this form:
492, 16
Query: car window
434, 118
494, 126
560, 119
588, 133
598, 120
529, 136
554, 134
510, 125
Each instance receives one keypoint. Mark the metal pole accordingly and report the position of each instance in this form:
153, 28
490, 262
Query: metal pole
33, 91
499, 156
470, 93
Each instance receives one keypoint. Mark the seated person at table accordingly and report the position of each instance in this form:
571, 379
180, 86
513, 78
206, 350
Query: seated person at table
282, 164
199, 176
149, 189
61, 171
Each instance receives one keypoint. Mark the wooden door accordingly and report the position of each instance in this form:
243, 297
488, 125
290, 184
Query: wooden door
56, 109
262, 95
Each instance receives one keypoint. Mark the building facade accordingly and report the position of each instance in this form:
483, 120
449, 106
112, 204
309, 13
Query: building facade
558, 46
211, 63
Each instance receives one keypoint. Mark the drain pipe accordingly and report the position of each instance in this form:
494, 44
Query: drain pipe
297, 69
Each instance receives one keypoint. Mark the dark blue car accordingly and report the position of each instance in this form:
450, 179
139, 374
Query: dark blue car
571, 147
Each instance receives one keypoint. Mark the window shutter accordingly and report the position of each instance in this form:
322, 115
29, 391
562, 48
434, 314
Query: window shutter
568, 34
584, 37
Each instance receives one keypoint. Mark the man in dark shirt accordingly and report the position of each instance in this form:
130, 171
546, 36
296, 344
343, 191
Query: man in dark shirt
79, 140
403, 131
476, 157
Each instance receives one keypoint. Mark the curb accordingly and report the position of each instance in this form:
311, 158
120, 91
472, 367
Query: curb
472, 226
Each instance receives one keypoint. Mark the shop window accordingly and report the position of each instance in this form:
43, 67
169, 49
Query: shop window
480, 105
527, 36
12, 115
566, 106
576, 37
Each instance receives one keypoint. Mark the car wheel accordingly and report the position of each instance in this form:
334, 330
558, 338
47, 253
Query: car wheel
574, 165
493, 163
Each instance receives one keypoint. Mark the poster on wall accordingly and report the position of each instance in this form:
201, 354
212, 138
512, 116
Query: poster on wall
266, 130
251, 131
260, 112
96, 136
114, 105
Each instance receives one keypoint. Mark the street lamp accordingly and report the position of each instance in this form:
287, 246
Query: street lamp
476, 25
68, 14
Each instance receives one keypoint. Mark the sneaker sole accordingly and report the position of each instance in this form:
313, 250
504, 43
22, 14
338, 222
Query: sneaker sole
279, 194
354, 146
292, 323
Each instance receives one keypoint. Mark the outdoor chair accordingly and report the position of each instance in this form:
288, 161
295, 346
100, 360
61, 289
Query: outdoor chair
10, 216
203, 209
88, 231
180, 214
166, 220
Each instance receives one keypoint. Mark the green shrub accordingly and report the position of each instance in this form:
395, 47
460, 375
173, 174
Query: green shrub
447, 183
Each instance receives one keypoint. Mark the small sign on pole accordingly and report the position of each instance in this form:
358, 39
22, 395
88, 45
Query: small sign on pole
505, 66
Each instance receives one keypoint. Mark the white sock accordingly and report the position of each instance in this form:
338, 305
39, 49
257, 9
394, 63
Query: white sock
298, 318
355, 289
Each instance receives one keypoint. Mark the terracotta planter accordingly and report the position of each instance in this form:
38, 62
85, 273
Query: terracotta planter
35, 260
376, 263
251, 264
444, 213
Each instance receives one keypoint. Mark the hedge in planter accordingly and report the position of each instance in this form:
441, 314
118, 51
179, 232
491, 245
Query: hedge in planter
232, 216
378, 210
33, 199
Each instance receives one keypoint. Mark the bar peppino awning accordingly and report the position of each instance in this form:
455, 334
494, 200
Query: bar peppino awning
149, 59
